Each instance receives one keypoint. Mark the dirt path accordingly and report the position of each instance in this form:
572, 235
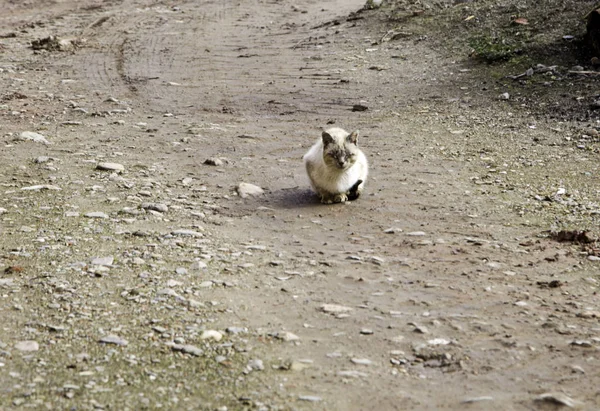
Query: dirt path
453, 299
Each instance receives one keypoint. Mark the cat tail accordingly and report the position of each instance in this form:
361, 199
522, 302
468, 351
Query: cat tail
354, 193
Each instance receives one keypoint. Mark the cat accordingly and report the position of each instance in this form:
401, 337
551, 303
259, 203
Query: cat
336, 167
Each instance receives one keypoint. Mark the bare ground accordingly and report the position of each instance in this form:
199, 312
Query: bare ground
458, 294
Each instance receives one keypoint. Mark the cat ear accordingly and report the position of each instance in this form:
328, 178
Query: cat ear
353, 137
327, 139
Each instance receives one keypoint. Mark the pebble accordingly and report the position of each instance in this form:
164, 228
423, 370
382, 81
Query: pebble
286, 336
105, 261
40, 187
42, 159
236, 330
246, 190
559, 398
113, 339
3, 210
309, 398
119, 168
477, 399
96, 214
186, 348
31, 136
335, 309
366, 331
416, 233
256, 365
186, 233
392, 230
361, 361
181, 271
352, 374
27, 346
211, 334
438, 341
161, 208
504, 96
213, 161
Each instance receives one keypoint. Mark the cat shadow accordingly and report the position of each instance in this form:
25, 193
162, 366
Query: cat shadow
290, 198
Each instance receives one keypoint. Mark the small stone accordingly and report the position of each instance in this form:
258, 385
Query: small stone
181, 271
187, 233
198, 265
589, 314
309, 398
420, 329
105, 261
392, 230
245, 190
352, 374
256, 365
438, 341
236, 330
211, 334
119, 168
559, 398
161, 208
27, 346
113, 339
361, 361
286, 336
521, 304
366, 331
477, 399
335, 309
298, 366
213, 161
504, 96
42, 159
186, 348
96, 214
41, 187
416, 233
31, 136
3, 210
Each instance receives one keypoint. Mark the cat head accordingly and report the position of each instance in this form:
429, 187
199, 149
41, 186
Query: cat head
340, 148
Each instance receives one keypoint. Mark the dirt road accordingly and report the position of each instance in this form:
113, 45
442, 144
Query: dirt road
150, 283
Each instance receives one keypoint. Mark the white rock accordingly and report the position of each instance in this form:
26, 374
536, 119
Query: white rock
309, 398
438, 341
245, 190
287, 336
27, 346
111, 167
105, 261
3, 210
198, 265
41, 187
186, 348
96, 214
211, 334
113, 339
187, 233
31, 136
361, 361
352, 374
335, 309
416, 233
256, 365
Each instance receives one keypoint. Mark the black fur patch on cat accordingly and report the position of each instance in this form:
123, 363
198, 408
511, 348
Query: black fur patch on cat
353, 193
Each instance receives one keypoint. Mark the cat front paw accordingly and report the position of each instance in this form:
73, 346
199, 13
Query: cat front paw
340, 198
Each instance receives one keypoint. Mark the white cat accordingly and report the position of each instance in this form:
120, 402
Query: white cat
337, 168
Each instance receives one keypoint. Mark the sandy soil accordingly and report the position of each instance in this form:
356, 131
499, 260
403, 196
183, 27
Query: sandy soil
448, 290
